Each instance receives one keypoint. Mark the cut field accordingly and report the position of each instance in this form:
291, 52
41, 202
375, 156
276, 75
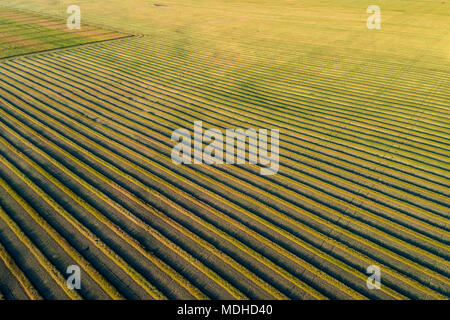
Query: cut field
24, 33
86, 176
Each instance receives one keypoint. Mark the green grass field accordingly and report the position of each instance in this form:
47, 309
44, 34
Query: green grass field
86, 175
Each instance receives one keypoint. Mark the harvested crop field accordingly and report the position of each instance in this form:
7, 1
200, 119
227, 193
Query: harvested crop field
22, 33
87, 179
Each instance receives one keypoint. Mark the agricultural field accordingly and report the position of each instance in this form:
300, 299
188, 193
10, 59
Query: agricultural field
87, 176
22, 33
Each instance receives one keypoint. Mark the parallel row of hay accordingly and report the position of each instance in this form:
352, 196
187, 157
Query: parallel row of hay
94, 145
369, 142
23, 33
17, 274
